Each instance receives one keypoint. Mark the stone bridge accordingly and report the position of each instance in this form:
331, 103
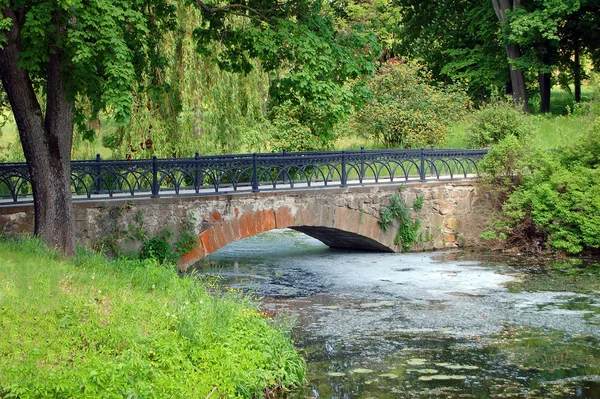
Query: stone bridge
453, 215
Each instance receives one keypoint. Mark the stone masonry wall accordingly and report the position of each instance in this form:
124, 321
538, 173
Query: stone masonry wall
453, 215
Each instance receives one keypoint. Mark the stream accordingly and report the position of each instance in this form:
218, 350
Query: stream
423, 325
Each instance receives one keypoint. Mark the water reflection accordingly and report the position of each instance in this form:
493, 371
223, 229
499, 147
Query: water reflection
421, 325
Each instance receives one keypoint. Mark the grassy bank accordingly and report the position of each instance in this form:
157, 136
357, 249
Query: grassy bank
89, 327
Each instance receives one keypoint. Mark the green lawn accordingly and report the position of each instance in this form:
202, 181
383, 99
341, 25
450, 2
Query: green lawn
548, 131
94, 328
9, 133
561, 99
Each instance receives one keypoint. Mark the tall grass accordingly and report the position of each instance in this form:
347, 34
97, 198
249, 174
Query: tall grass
561, 100
556, 131
127, 328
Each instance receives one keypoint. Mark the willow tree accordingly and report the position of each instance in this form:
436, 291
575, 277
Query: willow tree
194, 106
85, 56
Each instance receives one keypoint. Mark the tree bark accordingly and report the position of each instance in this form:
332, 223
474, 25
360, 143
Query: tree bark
46, 139
513, 52
577, 73
545, 82
517, 78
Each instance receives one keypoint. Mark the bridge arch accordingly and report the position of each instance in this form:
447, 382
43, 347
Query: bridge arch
453, 215
335, 226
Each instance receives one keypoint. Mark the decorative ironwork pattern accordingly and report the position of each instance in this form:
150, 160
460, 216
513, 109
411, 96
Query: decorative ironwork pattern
249, 172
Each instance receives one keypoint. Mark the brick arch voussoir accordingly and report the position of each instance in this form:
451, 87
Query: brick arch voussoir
241, 226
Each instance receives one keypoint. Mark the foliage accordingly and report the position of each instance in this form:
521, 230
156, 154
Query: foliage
470, 51
557, 204
548, 131
382, 17
464, 40
505, 165
495, 121
198, 107
409, 225
288, 133
104, 55
159, 249
129, 328
186, 241
552, 32
195, 106
407, 109
320, 71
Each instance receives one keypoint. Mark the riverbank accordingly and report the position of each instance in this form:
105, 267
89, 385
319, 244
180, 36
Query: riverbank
90, 327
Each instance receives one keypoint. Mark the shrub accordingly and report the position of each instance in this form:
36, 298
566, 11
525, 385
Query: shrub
495, 121
552, 198
288, 132
159, 249
407, 109
504, 166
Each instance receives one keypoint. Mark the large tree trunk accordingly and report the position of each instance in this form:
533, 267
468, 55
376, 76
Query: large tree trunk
513, 52
46, 140
545, 82
517, 78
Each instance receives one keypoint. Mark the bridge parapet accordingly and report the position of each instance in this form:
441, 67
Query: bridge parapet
207, 175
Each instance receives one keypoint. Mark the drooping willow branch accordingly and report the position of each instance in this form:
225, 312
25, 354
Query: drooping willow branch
232, 7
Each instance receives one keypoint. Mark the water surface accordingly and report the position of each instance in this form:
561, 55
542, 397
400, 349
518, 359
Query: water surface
420, 325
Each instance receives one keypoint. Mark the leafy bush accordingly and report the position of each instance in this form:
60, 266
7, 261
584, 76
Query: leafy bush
407, 109
503, 168
163, 250
288, 132
556, 204
94, 328
495, 121
159, 249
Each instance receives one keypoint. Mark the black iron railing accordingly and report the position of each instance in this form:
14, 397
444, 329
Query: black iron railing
249, 172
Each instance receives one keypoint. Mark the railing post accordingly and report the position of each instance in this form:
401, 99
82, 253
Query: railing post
422, 169
284, 173
362, 163
254, 174
432, 168
196, 175
98, 171
344, 176
155, 188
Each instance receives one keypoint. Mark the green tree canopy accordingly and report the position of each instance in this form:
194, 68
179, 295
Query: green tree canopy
319, 68
492, 43
457, 40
